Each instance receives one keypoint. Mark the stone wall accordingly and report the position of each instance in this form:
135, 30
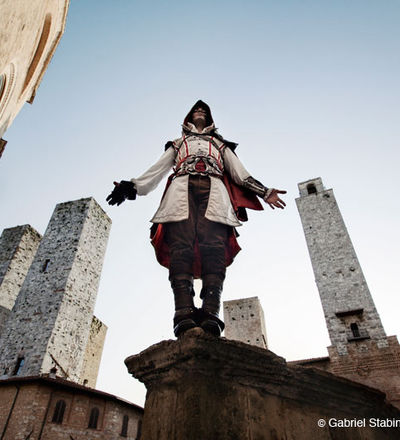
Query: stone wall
94, 350
50, 323
30, 31
343, 290
244, 321
201, 387
18, 247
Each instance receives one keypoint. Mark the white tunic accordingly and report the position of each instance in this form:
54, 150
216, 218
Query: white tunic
174, 206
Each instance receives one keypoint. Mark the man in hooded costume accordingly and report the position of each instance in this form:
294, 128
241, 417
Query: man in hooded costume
193, 230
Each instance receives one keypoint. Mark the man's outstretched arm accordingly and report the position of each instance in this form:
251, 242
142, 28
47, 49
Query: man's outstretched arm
242, 177
145, 183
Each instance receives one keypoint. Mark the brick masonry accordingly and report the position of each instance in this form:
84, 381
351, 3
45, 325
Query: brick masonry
27, 407
244, 321
18, 247
50, 324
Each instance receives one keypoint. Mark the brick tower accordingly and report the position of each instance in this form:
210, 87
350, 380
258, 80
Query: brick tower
18, 246
51, 322
244, 321
360, 349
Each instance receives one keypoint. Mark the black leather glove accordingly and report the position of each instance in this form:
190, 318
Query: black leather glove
122, 191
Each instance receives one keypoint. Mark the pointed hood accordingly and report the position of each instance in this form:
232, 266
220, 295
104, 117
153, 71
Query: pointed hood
203, 105
189, 128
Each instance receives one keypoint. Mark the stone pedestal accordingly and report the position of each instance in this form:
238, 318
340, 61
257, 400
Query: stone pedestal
205, 388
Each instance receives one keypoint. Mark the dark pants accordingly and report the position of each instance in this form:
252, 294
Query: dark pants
211, 237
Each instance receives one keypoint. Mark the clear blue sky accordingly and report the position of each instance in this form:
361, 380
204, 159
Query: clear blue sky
307, 88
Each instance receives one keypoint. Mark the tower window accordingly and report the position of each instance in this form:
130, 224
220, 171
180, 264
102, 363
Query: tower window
355, 330
59, 410
311, 189
18, 367
2, 85
94, 418
124, 430
45, 265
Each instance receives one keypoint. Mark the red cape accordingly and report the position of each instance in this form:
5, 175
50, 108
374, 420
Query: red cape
241, 199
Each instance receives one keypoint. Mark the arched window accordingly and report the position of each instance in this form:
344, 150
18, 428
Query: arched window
355, 330
39, 50
311, 189
94, 418
2, 85
59, 410
124, 430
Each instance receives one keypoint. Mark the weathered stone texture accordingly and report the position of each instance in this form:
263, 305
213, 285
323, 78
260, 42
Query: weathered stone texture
30, 31
244, 321
27, 407
200, 387
343, 290
365, 355
18, 247
94, 350
50, 323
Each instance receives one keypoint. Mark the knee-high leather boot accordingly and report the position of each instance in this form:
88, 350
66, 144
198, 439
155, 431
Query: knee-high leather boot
185, 311
210, 322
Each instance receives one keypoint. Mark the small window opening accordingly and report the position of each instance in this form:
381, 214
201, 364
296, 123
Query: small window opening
311, 189
139, 430
45, 265
59, 411
355, 330
94, 418
2, 85
124, 430
18, 367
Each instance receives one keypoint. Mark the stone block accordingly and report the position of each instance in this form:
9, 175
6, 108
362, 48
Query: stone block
201, 387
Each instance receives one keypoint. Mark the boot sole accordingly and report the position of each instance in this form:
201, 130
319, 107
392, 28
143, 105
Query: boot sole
211, 327
183, 326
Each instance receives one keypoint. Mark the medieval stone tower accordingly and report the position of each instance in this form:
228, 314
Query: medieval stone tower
360, 349
349, 310
244, 321
50, 327
18, 246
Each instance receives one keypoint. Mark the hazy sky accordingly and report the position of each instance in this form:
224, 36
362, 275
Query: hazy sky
307, 89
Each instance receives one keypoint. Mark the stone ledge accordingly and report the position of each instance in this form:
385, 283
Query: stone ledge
201, 387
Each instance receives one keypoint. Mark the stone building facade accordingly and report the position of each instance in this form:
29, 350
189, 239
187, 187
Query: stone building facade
360, 349
244, 321
30, 31
18, 247
45, 408
51, 326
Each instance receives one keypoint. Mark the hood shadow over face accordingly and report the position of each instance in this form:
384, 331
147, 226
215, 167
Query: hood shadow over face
199, 104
